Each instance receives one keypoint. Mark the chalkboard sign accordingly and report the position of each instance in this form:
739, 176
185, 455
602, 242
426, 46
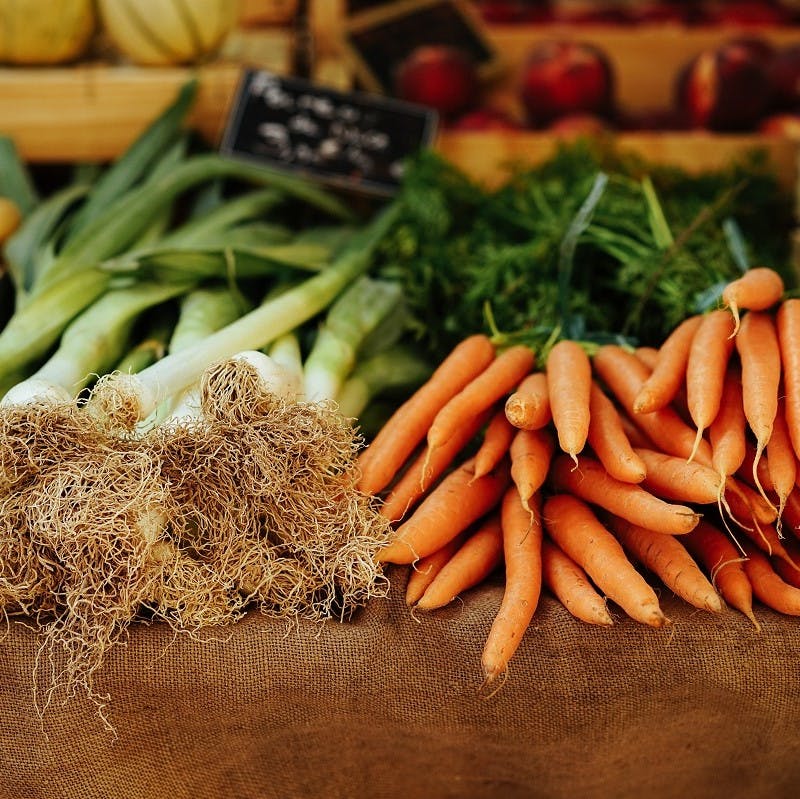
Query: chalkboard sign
377, 39
354, 140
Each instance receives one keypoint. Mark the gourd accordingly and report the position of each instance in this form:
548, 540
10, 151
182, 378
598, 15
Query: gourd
45, 31
166, 32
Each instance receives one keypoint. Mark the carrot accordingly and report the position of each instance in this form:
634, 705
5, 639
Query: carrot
787, 321
766, 538
745, 471
791, 513
528, 407
781, 461
571, 586
608, 439
571, 523
426, 469
591, 482
669, 368
569, 380
423, 573
718, 555
474, 561
497, 380
409, 424
767, 585
757, 290
531, 454
707, 362
648, 356
522, 552
635, 435
624, 374
450, 508
759, 353
747, 505
495, 444
727, 431
667, 558
678, 480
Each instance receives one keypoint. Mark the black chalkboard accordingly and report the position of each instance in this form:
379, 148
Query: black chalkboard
354, 140
377, 39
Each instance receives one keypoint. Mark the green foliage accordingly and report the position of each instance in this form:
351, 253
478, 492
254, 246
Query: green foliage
651, 248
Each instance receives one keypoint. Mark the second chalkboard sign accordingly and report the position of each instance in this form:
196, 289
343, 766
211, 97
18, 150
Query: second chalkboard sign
354, 140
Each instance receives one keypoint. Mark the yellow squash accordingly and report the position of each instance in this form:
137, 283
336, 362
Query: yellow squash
45, 31
164, 32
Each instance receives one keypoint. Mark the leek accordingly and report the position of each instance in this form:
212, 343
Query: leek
276, 316
349, 322
91, 344
396, 368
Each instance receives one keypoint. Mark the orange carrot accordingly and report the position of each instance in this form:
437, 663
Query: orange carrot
426, 469
667, 558
757, 290
746, 505
475, 560
496, 441
531, 453
727, 432
591, 482
678, 480
648, 356
423, 573
767, 585
608, 439
707, 362
569, 380
497, 380
624, 374
408, 425
791, 513
528, 407
781, 461
759, 353
571, 586
449, 509
572, 524
522, 552
669, 369
788, 326
635, 435
718, 555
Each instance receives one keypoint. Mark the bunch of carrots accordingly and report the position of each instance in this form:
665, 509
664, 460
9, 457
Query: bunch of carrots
602, 464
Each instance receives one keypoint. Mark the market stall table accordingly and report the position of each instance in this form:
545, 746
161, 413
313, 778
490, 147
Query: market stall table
389, 705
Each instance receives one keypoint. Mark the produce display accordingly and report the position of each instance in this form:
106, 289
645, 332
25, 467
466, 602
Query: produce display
226, 389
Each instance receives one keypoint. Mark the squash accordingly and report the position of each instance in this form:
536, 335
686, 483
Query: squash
45, 31
166, 32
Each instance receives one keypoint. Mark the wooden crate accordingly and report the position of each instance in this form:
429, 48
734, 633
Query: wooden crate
93, 110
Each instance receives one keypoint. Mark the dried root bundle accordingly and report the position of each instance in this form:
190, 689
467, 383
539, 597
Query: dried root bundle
253, 504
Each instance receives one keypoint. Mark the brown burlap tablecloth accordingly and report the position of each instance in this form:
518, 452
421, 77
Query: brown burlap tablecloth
389, 706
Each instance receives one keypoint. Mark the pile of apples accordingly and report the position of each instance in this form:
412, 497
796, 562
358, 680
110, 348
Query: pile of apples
568, 85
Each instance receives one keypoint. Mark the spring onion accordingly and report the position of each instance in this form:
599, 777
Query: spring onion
349, 322
133, 397
91, 344
394, 368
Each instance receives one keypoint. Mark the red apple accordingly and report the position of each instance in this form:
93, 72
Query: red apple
784, 75
485, 119
786, 125
438, 76
566, 77
726, 88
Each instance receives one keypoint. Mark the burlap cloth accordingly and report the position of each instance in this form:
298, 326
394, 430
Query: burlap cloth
386, 706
